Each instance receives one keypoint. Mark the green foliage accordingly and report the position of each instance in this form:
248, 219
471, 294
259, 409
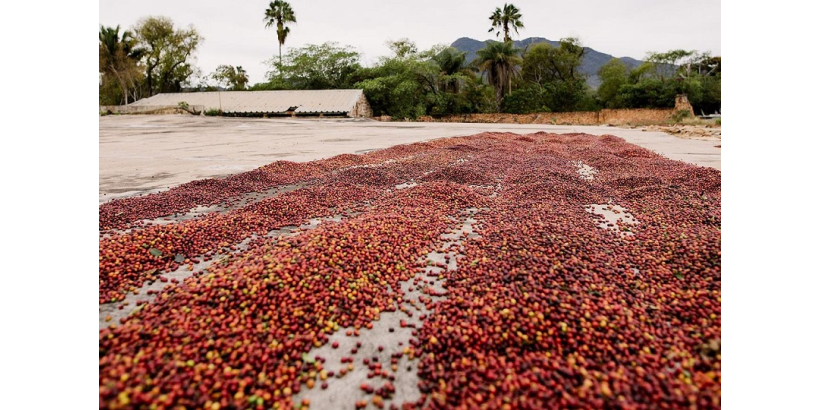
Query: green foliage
183, 104
613, 75
431, 82
708, 99
234, 78
544, 63
665, 65
314, 67
655, 83
648, 93
473, 96
503, 18
525, 100
396, 87
589, 101
110, 91
557, 96
550, 80
212, 112
643, 71
680, 115
403, 47
701, 77
120, 70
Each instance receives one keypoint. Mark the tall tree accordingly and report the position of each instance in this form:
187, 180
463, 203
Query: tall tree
169, 53
280, 13
499, 62
504, 18
119, 58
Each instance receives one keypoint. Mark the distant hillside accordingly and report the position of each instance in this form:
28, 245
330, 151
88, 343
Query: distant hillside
593, 59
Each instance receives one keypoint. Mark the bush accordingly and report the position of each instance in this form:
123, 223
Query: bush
679, 115
525, 101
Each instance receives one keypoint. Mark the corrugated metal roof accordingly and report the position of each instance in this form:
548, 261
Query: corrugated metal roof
306, 101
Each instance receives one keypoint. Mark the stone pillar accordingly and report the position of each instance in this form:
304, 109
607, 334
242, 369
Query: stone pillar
682, 103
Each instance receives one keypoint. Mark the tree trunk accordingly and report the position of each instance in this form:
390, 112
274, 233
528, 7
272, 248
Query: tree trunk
148, 71
122, 83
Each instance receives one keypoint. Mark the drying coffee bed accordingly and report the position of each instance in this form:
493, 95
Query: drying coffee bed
490, 271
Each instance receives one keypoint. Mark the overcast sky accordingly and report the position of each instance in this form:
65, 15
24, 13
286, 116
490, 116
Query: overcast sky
235, 33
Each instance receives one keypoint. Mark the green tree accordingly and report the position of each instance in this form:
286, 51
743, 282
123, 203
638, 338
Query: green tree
706, 65
656, 82
235, 78
679, 72
504, 18
499, 62
525, 100
119, 63
709, 99
453, 68
648, 93
430, 82
544, 63
550, 80
614, 74
399, 86
280, 13
665, 65
700, 76
169, 53
315, 67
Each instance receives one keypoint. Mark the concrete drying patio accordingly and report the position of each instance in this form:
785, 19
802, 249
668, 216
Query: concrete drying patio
140, 154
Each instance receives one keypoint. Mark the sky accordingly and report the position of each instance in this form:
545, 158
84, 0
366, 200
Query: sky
235, 32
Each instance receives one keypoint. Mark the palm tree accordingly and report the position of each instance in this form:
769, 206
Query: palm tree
280, 13
241, 78
119, 57
451, 62
499, 61
502, 19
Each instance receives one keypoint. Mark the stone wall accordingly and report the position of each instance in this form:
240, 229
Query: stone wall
362, 108
634, 116
150, 109
615, 117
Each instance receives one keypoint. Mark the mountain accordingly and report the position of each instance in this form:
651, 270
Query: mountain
593, 59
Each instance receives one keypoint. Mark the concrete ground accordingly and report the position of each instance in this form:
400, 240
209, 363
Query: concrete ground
147, 153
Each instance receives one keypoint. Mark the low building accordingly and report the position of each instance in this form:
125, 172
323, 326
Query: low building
347, 103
